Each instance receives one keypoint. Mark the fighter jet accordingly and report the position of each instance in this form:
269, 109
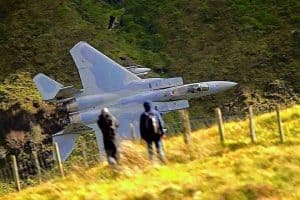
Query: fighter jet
105, 83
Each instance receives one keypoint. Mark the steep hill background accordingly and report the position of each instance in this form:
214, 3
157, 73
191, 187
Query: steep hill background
255, 43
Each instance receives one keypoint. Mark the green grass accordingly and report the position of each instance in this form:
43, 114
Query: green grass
19, 88
206, 170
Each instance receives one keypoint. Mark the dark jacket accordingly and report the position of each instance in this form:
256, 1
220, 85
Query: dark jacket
146, 134
108, 125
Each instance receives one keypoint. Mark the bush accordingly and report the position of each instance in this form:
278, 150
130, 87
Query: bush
295, 19
63, 10
250, 22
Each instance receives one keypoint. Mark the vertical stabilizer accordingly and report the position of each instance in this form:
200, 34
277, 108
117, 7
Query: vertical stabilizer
47, 87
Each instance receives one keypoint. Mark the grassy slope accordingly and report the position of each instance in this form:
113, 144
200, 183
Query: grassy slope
267, 170
244, 41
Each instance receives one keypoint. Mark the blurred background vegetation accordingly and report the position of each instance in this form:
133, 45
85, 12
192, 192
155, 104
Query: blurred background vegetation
255, 43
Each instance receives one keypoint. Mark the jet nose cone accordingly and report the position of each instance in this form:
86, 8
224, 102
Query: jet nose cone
226, 85
229, 84
220, 86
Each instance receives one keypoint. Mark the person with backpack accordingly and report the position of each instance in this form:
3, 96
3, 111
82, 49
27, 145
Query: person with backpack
152, 130
108, 125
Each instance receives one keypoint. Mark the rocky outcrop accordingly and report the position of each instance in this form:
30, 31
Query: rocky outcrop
20, 128
275, 92
279, 91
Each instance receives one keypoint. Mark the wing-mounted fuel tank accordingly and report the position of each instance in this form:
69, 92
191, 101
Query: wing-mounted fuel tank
139, 70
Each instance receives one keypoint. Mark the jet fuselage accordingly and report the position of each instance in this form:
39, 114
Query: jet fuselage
88, 107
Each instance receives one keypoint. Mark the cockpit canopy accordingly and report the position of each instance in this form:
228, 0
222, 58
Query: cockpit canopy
200, 87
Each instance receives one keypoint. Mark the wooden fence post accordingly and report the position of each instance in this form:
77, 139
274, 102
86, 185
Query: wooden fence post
279, 121
58, 159
252, 125
186, 126
84, 154
220, 125
132, 131
37, 165
16, 172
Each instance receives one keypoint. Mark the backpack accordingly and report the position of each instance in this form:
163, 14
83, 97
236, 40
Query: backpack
151, 123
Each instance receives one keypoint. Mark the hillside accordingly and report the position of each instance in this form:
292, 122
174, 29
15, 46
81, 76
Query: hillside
254, 43
240, 170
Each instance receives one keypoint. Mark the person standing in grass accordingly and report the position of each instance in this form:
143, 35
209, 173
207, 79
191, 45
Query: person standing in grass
108, 125
152, 131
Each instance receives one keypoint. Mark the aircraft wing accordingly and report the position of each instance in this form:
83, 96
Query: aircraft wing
130, 115
98, 72
164, 107
129, 122
127, 115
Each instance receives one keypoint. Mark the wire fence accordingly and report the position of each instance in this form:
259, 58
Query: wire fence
27, 168
174, 127
39, 165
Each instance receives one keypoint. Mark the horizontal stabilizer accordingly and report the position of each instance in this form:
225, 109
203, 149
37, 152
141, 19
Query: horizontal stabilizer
66, 139
66, 143
67, 92
170, 106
